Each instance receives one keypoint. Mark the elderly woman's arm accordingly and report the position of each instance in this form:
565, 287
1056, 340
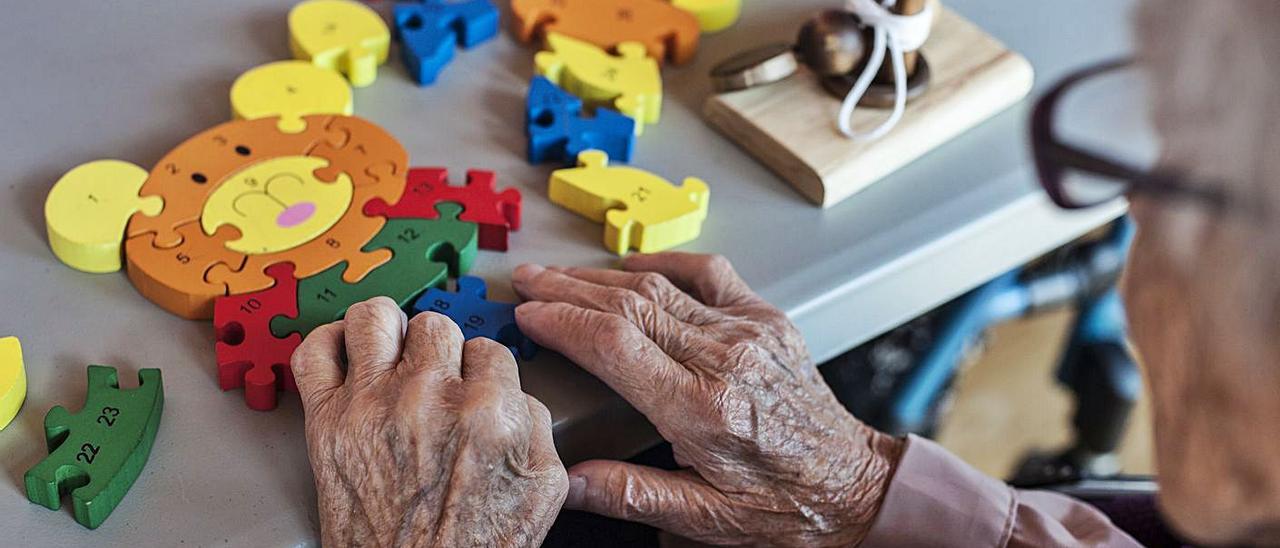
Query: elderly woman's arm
768, 454
422, 440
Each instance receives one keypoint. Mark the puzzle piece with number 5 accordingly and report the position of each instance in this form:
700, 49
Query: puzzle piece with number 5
640, 210
478, 316
629, 82
248, 355
424, 253
429, 30
558, 131
97, 453
497, 213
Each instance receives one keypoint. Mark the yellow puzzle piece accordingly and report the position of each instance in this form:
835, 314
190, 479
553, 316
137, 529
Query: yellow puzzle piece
277, 204
340, 35
13, 380
640, 210
629, 82
88, 209
290, 90
713, 15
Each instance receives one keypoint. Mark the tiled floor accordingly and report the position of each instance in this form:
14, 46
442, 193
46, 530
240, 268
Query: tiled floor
1008, 404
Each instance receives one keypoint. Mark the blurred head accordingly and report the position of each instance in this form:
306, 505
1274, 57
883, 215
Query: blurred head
1203, 287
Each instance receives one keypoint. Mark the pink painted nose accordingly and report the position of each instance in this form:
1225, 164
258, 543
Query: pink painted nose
296, 214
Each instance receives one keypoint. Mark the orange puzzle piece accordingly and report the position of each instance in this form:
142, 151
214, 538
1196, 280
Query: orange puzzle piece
181, 287
667, 32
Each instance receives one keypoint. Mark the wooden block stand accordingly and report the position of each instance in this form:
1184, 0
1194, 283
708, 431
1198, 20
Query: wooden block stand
790, 126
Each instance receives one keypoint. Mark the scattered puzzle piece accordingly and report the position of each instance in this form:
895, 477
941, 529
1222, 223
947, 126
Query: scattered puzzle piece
424, 252
249, 356
557, 131
478, 316
630, 81
666, 32
430, 30
97, 453
497, 213
640, 210
713, 15
340, 35
174, 276
88, 209
13, 380
289, 90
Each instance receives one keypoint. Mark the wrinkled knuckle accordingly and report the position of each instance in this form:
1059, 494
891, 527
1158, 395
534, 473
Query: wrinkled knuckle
485, 349
717, 264
436, 325
372, 309
538, 409
653, 285
632, 500
614, 331
623, 301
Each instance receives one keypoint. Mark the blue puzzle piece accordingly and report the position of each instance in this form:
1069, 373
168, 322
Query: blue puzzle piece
429, 31
558, 131
478, 316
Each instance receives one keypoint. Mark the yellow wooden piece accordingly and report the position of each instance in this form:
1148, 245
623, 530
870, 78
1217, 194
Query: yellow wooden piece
713, 15
13, 380
629, 82
640, 210
277, 205
290, 90
88, 209
340, 35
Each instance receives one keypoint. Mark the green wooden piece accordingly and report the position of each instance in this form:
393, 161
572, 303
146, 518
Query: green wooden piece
97, 453
424, 253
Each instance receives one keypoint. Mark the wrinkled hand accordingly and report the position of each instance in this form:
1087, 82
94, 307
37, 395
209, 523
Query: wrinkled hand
424, 441
769, 455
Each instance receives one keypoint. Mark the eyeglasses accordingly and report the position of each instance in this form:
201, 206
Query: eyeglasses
1104, 107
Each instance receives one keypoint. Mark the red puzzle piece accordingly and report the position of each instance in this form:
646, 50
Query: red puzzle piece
497, 213
249, 356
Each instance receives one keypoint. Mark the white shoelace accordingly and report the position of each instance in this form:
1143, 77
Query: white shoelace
895, 34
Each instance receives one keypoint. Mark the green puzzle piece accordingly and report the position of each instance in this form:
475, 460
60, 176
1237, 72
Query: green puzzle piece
97, 453
424, 253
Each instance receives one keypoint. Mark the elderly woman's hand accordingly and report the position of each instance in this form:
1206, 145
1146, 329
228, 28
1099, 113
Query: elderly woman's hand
423, 440
770, 456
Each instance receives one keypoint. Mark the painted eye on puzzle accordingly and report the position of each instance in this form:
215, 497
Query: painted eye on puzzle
243, 150
199, 178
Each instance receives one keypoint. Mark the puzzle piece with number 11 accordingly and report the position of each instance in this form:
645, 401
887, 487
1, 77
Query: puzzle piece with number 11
640, 210
470, 308
97, 453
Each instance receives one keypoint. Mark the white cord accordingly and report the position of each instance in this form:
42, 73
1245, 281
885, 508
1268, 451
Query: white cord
896, 34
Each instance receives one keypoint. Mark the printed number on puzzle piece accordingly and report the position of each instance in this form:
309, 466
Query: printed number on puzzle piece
430, 30
340, 35
557, 130
88, 209
424, 253
289, 90
640, 210
667, 33
13, 380
249, 355
478, 316
97, 453
713, 15
629, 82
497, 213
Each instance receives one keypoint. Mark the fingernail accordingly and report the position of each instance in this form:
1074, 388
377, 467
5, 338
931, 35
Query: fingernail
577, 492
526, 271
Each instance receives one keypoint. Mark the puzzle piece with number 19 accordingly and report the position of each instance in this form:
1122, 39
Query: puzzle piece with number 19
98, 452
640, 210
629, 82
470, 308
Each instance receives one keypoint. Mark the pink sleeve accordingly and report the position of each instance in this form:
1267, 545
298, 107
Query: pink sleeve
935, 499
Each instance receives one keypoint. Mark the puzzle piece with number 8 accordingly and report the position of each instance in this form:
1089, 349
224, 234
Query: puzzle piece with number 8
97, 453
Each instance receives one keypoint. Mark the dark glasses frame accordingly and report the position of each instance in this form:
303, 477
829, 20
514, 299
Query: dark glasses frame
1055, 157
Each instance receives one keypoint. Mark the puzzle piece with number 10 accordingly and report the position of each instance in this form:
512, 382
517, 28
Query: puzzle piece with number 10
640, 210
97, 453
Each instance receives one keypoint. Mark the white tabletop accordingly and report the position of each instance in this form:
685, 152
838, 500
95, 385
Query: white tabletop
84, 80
